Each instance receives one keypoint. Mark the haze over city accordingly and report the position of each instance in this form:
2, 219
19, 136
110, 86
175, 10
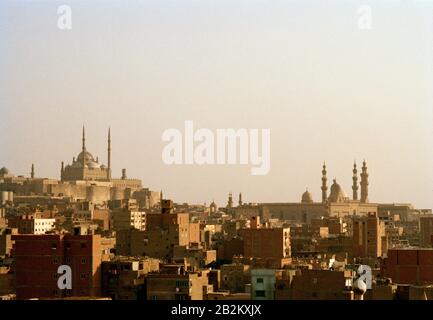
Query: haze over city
327, 91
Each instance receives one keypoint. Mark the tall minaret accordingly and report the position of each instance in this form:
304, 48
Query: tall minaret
324, 186
62, 169
364, 183
230, 201
83, 147
355, 182
109, 155
240, 199
32, 173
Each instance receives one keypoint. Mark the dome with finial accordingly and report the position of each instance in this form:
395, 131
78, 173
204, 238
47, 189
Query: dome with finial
87, 156
306, 197
337, 193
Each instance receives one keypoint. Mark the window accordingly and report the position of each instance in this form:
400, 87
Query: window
182, 283
55, 261
260, 293
83, 276
83, 245
259, 280
83, 261
68, 246
54, 246
68, 260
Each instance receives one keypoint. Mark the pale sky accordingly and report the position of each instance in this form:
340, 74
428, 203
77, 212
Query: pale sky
327, 90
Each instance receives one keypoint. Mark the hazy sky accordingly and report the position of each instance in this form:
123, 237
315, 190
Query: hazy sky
326, 89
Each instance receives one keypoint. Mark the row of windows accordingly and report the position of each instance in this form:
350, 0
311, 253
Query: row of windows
68, 260
83, 245
83, 276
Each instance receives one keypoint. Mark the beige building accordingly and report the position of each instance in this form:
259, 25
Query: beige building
234, 277
177, 285
368, 233
336, 204
84, 179
426, 230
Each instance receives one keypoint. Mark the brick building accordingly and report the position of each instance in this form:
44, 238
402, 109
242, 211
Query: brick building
38, 257
409, 266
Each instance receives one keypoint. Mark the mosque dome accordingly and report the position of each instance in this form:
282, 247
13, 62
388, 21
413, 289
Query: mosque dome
337, 193
4, 171
306, 197
93, 165
87, 157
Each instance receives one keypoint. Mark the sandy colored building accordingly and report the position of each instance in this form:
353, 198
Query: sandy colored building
177, 285
426, 230
234, 277
368, 232
124, 278
265, 243
322, 285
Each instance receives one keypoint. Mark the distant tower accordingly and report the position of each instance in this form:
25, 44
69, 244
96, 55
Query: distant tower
324, 186
240, 199
355, 182
109, 155
124, 174
32, 173
160, 197
230, 202
83, 147
62, 169
364, 183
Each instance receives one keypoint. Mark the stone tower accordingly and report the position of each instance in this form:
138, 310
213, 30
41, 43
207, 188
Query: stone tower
230, 201
324, 186
355, 182
109, 155
364, 183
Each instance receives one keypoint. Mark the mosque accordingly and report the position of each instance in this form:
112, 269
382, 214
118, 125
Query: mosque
86, 167
84, 179
336, 204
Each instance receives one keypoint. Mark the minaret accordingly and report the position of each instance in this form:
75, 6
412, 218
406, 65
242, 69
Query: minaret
32, 173
230, 202
324, 186
83, 147
240, 199
364, 183
109, 155
355, 182
62, 168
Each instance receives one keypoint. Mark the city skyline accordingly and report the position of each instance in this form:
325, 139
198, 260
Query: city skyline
327, 91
